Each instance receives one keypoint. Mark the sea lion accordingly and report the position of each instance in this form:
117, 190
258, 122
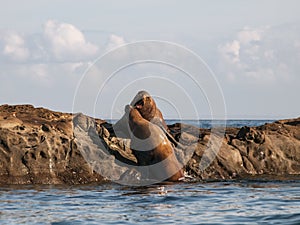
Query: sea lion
152, 148
146, 105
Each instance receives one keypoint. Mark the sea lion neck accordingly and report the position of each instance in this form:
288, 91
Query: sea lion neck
137, 123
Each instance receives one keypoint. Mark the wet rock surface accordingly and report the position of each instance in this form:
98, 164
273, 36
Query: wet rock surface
38, 146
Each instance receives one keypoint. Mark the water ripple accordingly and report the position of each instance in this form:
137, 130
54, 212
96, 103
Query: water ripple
245, 202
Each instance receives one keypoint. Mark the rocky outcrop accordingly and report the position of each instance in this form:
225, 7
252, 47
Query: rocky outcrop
272, 149
39, 146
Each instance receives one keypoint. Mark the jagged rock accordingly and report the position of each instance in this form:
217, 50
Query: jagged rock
40, 146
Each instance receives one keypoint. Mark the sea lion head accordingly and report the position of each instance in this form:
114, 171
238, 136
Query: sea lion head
145, 104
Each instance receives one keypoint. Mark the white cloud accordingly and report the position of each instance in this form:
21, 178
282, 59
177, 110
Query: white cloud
245, 45
53, 59
58, 42
114, 41
14, 47
262, 55
67, 42
61, 42
248, 35
231, 51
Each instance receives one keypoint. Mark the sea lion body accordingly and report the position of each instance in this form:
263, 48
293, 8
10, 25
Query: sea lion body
152, 148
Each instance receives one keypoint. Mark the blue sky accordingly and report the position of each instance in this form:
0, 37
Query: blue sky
252, 47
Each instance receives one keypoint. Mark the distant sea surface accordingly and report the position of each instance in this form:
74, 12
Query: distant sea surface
255, 201
215, 123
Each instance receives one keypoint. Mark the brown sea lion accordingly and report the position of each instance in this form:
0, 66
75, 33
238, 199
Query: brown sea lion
152, 148
146, 105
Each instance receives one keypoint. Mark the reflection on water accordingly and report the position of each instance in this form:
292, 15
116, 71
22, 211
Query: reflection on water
190, 203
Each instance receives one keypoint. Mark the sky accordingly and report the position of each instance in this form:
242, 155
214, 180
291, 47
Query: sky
60, 54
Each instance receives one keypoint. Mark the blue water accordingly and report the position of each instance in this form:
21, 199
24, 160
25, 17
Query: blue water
255, 201
216, 123
239, 202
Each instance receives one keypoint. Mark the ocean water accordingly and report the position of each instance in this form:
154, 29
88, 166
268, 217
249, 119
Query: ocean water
216, 123
235, 202
255, 201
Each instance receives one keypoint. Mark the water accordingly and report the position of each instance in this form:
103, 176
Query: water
230, 202
239, 202
216, 123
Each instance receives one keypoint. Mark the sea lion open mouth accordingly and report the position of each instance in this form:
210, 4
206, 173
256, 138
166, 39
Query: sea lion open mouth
139, 104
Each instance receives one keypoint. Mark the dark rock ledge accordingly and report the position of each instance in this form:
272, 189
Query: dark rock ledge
37, 146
